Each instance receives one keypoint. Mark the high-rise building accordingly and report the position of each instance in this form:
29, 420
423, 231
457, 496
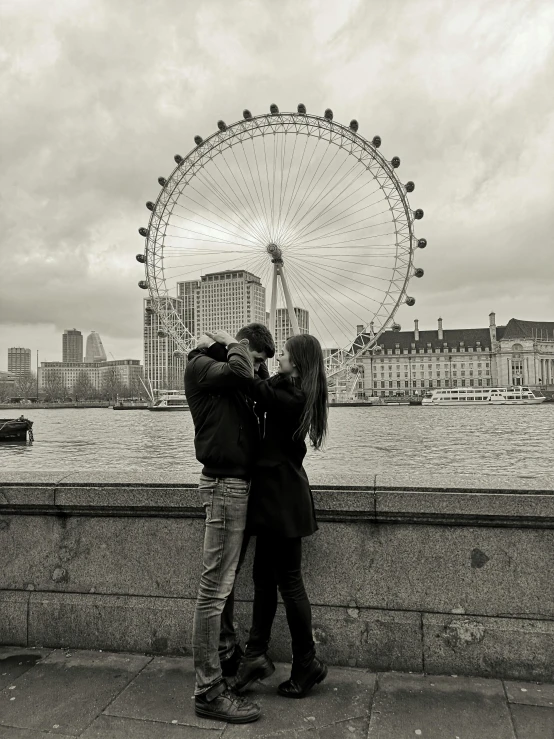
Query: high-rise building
19, 361
95, 349
283, 326
72, 345
189, 295
164, 363
229, 300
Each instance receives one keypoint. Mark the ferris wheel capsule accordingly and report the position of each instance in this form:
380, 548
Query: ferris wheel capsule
149, 310
199, 140
329, 114
143, 284
162, 181
422, 243
301, 108
410, 187
395, 161
143, 231
222, 125
162, 334
354, 125
273, 109
410, 301
178, 158
141, 258
246, 114
150, 205
376, 141
418, 272
418, 214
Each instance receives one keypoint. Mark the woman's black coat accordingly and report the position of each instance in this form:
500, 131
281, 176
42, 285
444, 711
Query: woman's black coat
280, 497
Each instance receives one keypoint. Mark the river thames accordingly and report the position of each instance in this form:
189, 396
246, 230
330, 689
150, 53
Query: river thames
505, 440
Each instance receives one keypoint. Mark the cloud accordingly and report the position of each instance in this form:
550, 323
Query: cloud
99, 96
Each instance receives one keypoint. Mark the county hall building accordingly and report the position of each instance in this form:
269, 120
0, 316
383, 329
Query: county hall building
410, 362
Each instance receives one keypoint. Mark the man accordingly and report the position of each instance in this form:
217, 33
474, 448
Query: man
226, 442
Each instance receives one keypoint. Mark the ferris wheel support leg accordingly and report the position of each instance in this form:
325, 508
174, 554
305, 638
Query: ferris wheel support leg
273, 304
290, 307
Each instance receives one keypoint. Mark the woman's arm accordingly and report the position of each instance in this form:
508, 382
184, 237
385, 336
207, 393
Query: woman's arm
275, 394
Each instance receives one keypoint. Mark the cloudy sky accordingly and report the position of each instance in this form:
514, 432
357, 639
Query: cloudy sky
98, 95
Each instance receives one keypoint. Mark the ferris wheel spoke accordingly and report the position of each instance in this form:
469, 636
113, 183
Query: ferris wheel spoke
354, 241
202, 233
198, 268
336, 219
347, 261
255, 205
296, 178
352, 272
323, 195
330, 313
232, 205
297, 188
244, 203
284, 190
224, 215
342, 232
311, 188
210, 224
338, 200
322, 275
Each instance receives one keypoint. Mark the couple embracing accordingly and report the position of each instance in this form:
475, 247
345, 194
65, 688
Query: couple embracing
250, 432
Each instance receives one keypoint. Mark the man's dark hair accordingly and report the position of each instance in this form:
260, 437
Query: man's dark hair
259, 337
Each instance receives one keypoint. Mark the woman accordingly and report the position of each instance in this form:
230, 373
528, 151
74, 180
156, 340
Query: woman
291, 406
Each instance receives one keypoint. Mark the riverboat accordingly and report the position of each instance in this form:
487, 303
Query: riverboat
16, 429
483, 396
171, 400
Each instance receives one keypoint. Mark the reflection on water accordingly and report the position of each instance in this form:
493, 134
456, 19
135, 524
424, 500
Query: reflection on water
379, 439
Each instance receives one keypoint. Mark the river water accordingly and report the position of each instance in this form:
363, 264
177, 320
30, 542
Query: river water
403, 439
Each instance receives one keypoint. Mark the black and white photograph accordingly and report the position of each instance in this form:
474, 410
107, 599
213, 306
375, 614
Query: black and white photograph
277, 369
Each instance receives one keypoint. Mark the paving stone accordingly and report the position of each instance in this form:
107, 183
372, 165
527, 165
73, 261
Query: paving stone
11, 732
65, 691
14, 661
532, 694
533, 722
164, 691
353, 728
343, 695
436, 707
115, 727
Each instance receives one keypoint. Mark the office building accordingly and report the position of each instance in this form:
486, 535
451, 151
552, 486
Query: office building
164, 362
19, 361
283, 326
72, 345
123, 373
95, 349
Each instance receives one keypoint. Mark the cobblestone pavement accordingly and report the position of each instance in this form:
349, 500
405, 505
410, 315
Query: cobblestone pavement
109, 695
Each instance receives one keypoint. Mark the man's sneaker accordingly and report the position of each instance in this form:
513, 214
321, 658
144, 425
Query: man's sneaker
250, 670
220, 703
229, 666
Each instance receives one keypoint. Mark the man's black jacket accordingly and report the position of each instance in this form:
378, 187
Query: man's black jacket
226, 428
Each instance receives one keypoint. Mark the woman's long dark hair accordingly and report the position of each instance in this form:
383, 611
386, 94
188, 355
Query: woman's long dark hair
306, 355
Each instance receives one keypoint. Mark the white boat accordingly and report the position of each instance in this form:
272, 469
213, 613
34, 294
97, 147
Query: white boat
170, 400
519, 395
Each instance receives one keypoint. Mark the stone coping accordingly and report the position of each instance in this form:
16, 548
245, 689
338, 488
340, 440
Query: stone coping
368, 481
512, 501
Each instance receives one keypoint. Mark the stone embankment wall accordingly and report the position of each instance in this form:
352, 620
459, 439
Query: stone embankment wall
404, 574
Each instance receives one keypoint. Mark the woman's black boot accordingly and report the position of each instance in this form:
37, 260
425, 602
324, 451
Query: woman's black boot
304, 680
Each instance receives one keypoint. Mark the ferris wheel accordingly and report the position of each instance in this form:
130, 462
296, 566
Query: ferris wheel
305, 204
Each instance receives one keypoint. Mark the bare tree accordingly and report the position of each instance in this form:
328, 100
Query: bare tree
83, 389
26, 385
6, 391
54, 387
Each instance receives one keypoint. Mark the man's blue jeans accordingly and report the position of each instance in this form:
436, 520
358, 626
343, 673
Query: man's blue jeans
225, 501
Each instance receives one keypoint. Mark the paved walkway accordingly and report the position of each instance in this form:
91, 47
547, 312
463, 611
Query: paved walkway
108, 695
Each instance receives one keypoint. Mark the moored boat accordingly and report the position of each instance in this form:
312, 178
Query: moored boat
16, 429
171, 400
518, 395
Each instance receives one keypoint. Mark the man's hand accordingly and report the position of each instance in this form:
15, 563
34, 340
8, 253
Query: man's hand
204, 342
222, 337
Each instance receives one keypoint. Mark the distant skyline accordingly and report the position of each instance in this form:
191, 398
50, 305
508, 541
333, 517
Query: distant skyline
102, 95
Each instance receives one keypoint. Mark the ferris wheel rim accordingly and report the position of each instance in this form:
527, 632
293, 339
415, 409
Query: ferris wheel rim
261, 125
